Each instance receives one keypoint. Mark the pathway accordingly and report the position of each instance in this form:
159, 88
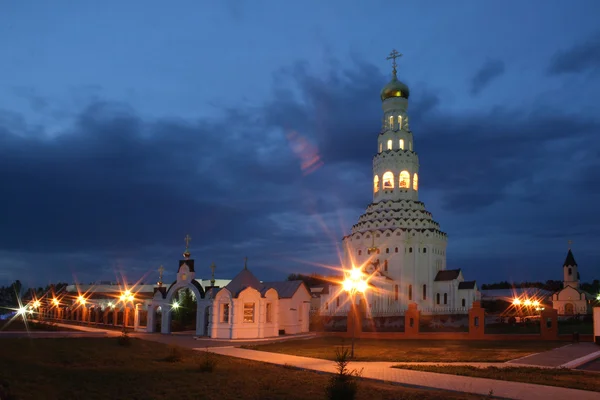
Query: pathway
382, 371
569, 356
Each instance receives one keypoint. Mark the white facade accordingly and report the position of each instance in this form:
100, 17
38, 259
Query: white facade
571, 300
244, 309
396, 240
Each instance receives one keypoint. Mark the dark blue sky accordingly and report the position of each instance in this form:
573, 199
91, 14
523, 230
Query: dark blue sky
126, 125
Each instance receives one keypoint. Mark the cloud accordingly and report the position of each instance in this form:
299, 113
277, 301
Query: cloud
581, 57
489, 71
116, 191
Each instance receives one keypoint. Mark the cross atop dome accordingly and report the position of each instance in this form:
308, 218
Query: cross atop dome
393, 55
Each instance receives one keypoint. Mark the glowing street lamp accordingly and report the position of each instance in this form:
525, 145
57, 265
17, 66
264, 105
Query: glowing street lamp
175, 305
516, 302
55, 302
354, 283
126, 297
81, 300
36, 304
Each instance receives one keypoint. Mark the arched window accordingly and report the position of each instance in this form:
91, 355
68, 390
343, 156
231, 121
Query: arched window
404, 180
445, 298
385, 265
391, 122
380, 147
376, 183
359, 252
424, 292
570, 272
424, 249
399, 121
410, 146
464, 303
389, 144
387, 250
410, 249
401, 144
396, 292
410, 292
396, 249
337, 302
437, 298
416, 181
388, 180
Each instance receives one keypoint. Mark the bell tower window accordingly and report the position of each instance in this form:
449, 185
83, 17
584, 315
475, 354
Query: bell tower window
380, 147
399, 121
391, 122
388, 180
376, 183
402, 144
410, 146
389, 144
404, 180
416, 181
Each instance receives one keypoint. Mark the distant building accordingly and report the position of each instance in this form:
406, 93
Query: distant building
571, 300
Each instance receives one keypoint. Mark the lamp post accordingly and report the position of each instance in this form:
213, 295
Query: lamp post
354, 283
126, 297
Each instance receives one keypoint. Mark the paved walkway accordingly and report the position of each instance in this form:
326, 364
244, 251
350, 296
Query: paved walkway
569, 356
382, 371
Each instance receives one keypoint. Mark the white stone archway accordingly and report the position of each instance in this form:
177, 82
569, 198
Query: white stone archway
163, 298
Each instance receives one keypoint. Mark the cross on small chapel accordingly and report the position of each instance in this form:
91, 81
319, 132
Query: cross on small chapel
187, 239
393, 55
570, 243
160, 275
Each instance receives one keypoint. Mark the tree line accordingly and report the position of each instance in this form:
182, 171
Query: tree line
10, 294
550, 285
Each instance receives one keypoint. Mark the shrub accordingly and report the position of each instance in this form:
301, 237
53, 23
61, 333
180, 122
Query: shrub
208, 362
175, 354
344, 384
5, 393
124, 340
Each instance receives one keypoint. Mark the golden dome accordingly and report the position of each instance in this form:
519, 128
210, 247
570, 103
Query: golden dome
394, 88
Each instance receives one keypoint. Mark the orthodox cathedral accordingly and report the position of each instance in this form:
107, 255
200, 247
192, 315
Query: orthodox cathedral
396, 241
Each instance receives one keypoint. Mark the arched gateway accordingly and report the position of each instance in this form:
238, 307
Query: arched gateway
163, 298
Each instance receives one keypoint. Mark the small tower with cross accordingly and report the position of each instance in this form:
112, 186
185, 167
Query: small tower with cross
570, 272
186, 270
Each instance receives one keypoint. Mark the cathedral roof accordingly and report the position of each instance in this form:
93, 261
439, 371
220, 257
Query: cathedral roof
243, 280
394, 88
467, 285
285, 289
570, 260
447, 275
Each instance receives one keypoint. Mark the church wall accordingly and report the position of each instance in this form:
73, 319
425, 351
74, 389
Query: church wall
241, 329
294, 312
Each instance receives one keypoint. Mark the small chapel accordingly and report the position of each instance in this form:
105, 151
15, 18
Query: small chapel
571, 300
396, 242
244, 308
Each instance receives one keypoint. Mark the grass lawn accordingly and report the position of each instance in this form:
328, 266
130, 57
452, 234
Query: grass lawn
18, 326
551, 377
99, 368
411, 350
